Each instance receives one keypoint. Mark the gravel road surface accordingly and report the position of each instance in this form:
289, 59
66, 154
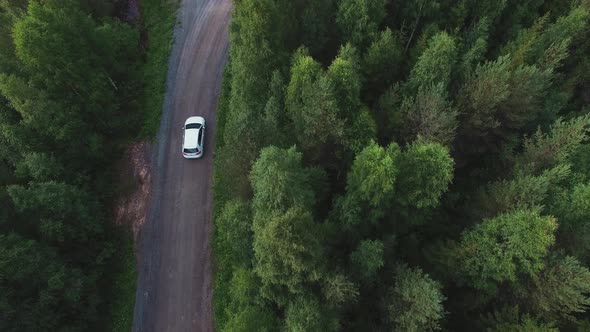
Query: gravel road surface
174, 250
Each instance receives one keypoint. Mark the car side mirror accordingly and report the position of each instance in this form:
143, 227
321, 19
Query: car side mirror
182, 128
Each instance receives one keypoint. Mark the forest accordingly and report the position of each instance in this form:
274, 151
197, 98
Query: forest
396, 165
72, 76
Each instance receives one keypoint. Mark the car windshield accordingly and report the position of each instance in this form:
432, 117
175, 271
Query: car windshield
193, 126
190, 150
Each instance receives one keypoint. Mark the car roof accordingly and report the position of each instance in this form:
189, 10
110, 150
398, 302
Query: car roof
195, 119
191, 137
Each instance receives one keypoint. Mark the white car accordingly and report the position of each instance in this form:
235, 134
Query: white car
193, 137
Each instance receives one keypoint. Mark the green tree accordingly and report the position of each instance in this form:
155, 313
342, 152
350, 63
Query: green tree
501, 249
368, 258
572, 208
62, 215
40, 292
381, 64
339, 290
318, 26
344, 72
280, 181
359, 20
370, 183
252, 319
414, 303
234, 234
562, 289
275, 117
430, 116
508, 319
288, 253
436, 63
307, 314
425, 172
39, 166
546, 150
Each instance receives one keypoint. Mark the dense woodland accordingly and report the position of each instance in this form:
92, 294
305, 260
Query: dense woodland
68, 99
404, 165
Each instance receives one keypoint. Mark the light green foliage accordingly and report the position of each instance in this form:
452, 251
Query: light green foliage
304, 72
274, 112
436, 63
234, 234
501, 249
252, 319
360, 132
288, 253
508, 319
345, 74
319, 123
373, 175
39, 166
279, 181
414, 303
425, 172
545, 150
429, 115
338, 290
313, 106
286, 248
98, 58
306, 314
243, 289
474, 47
562, 289
368, 258
359, 20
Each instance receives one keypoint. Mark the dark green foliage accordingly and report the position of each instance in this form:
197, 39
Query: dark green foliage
70, 93
562, 289
448, 135
382, 62
508, 319
359, 20
414, 303
368, 258
306, 314
429, 115
64, 215
39, 166
234, 242
40, 291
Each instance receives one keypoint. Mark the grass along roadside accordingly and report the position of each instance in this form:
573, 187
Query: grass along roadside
221, 273
158, 20
124, 275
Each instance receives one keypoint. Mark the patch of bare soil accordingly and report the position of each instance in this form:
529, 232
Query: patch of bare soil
135, 175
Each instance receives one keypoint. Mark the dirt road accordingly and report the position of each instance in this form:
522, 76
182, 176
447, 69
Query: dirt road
174, 266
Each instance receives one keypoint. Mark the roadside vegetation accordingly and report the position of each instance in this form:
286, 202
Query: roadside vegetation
72, 95
405, 166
